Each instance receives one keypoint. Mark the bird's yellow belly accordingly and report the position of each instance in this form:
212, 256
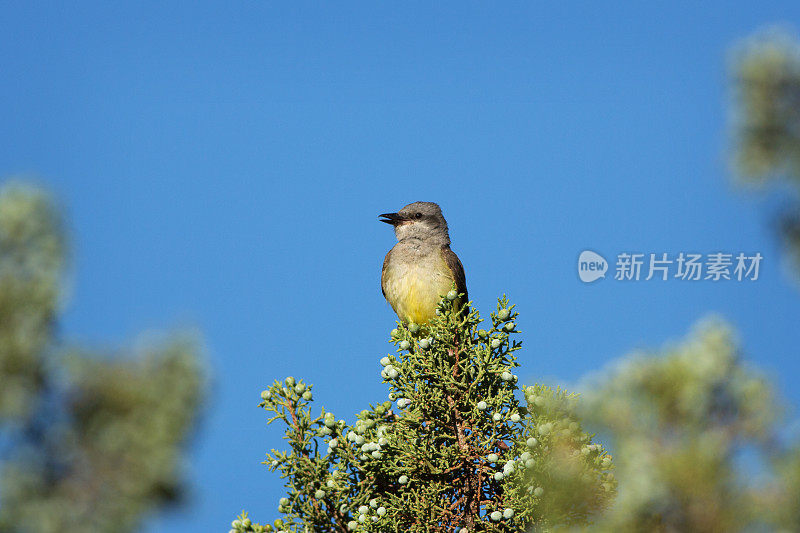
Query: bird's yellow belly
414, 293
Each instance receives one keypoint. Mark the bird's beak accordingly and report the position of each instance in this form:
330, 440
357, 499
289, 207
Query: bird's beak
391, 218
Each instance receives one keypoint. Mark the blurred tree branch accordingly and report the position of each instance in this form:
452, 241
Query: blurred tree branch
87, 442
698, 441
766, 125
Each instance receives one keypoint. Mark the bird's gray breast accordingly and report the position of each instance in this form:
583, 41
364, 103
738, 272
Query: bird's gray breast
416, 271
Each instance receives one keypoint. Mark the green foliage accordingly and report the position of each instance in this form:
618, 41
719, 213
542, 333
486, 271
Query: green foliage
680, 422
31, 258
457, 450
767, 85
766, 78
87, 443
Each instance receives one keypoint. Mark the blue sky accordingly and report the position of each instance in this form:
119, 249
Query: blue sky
223, 166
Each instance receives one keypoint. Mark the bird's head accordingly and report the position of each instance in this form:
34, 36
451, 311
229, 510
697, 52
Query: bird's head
420, 220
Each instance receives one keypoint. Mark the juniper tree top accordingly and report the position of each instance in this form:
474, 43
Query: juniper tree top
453, 449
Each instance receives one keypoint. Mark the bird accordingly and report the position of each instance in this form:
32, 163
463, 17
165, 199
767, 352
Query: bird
421, 267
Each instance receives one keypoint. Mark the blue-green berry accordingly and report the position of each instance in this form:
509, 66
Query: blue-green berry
496, 516
508, 513
352, 525
498, 476
290, 381
413, 328
538, 491
509, 326
503, 314
482, 333
319, 494
402, 479
492, 457
482, 405
381, 511
515, 418
496, 343
404, 345
531, 442
424, 343
497, 417
506, 376
307, 396
452, 295
385, 361
266, 395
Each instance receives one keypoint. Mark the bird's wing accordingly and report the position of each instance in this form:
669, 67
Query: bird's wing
383, 272
457, 269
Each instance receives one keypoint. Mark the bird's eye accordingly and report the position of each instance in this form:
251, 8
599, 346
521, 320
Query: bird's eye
418, 215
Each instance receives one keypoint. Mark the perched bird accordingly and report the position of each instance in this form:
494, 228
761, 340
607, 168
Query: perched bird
421, 267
